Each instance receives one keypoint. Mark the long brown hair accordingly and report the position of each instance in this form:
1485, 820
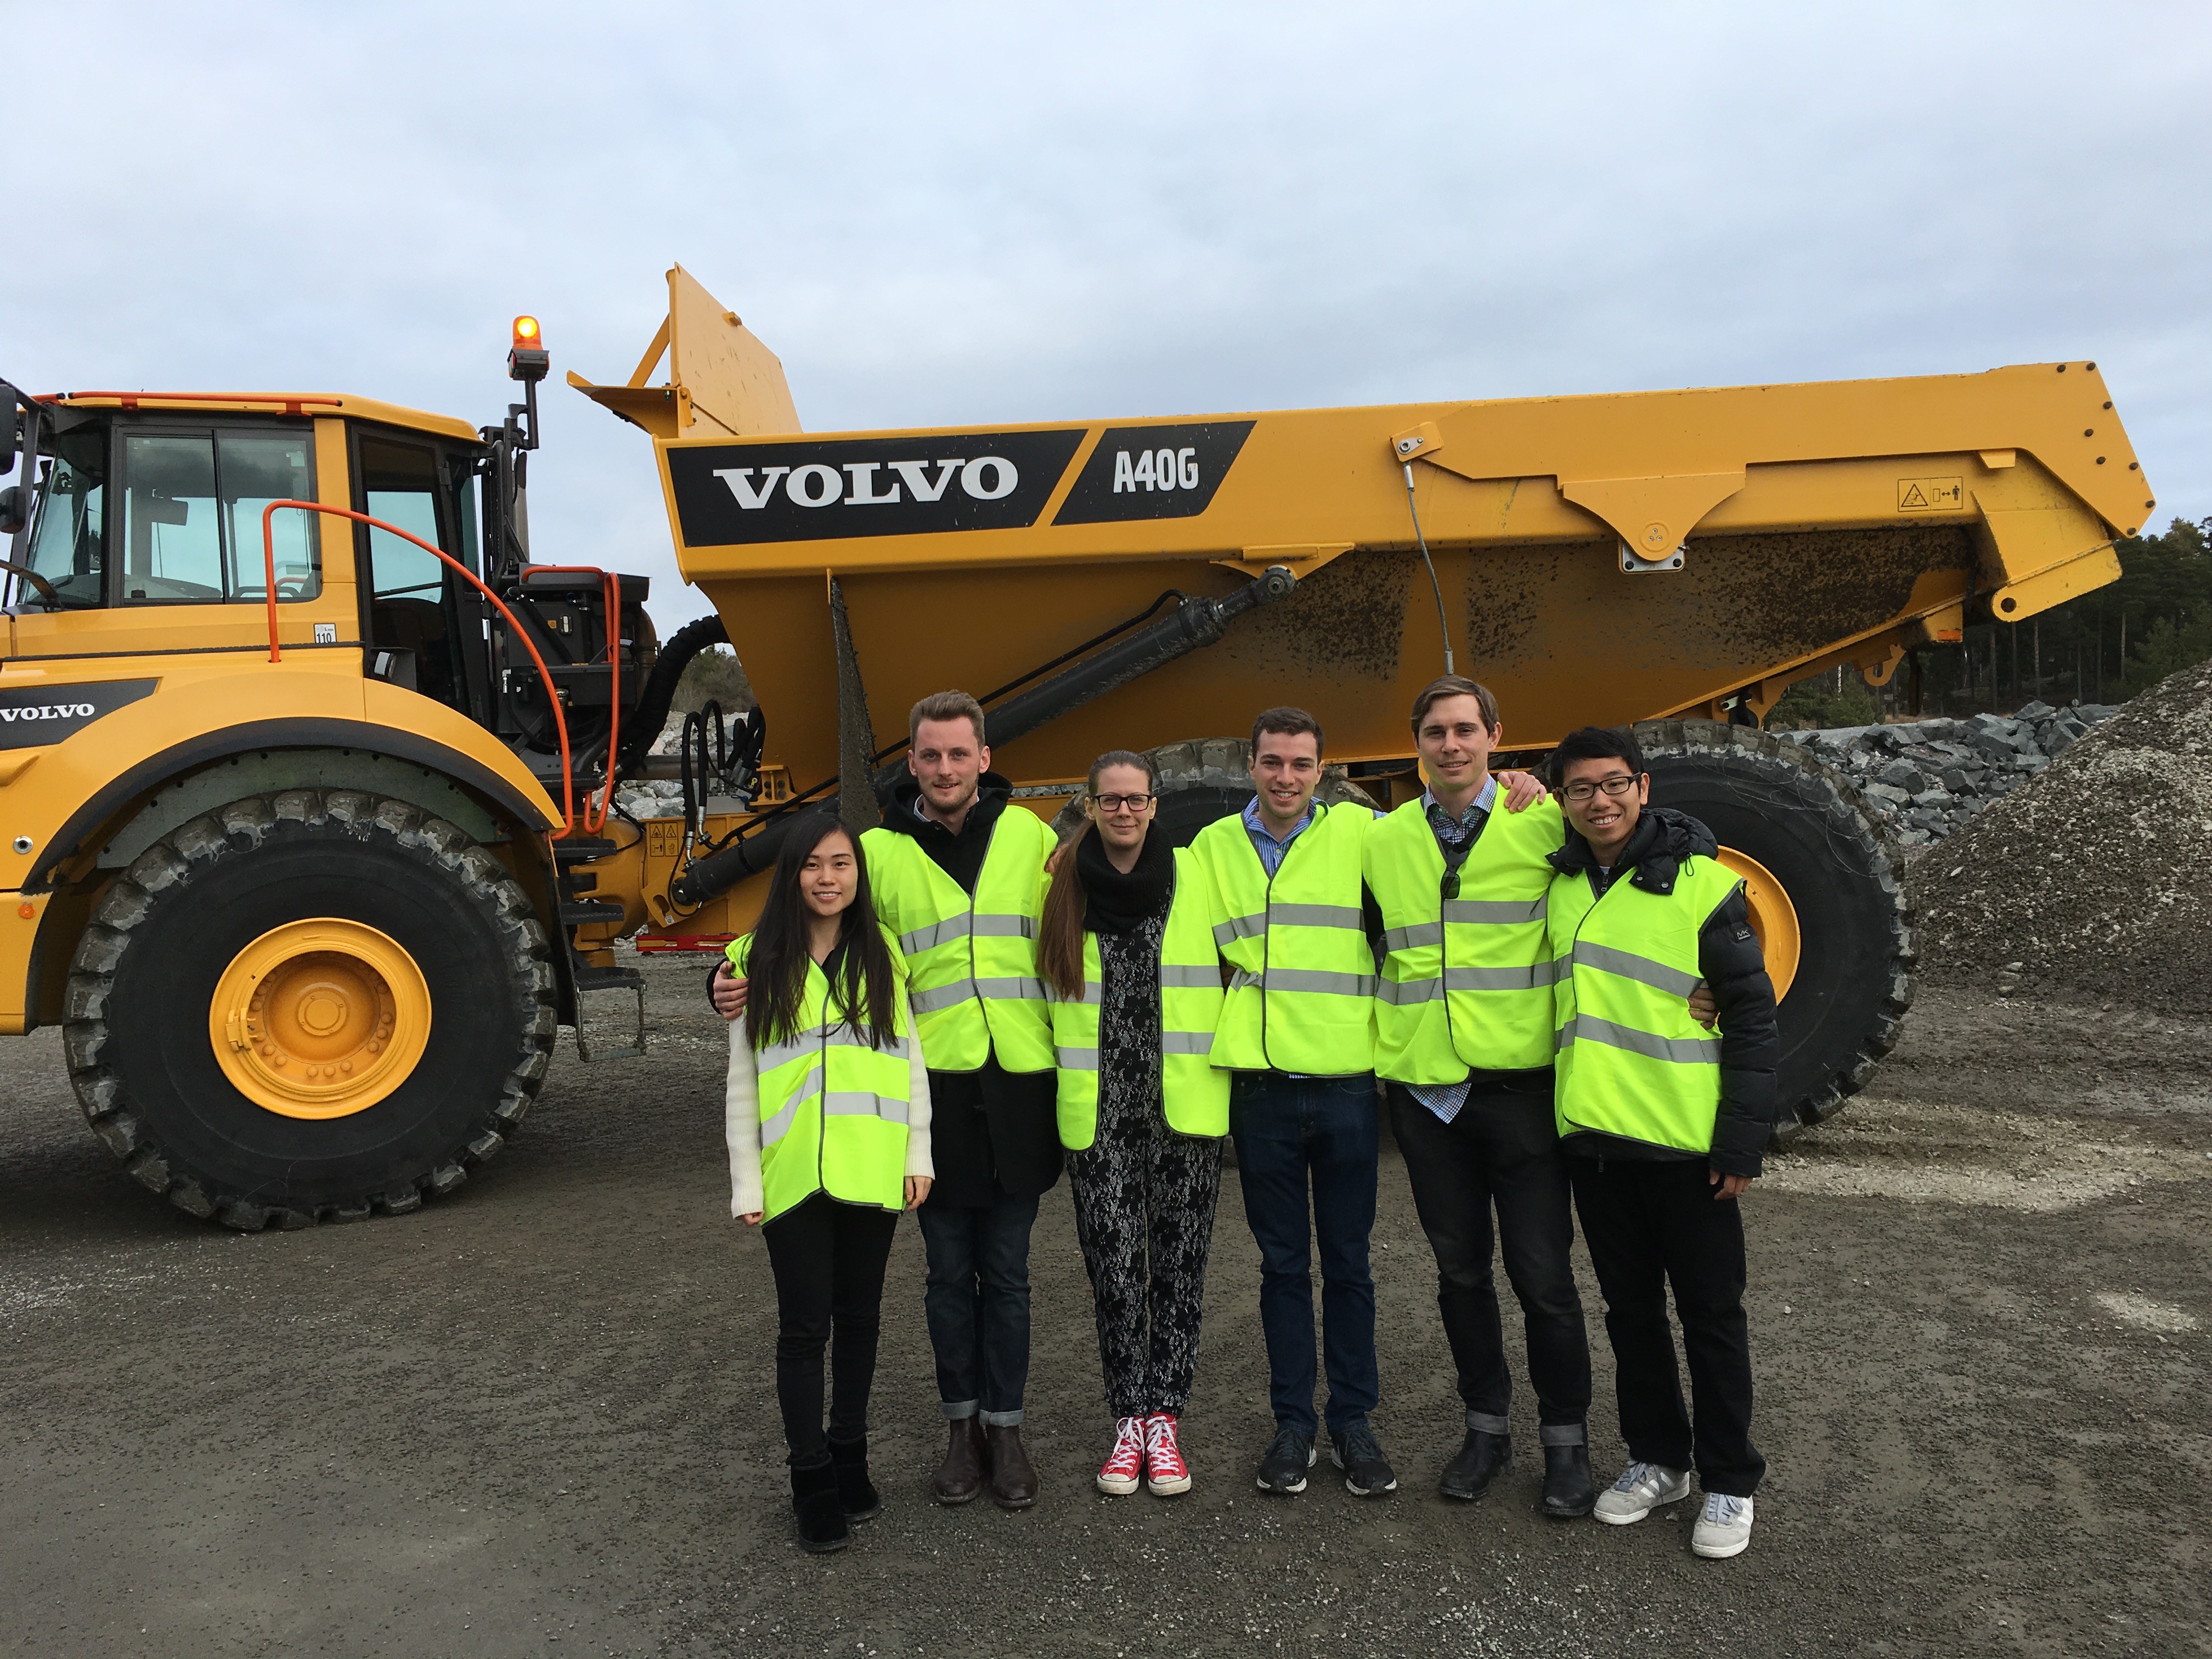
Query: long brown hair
1060, 930
865, 994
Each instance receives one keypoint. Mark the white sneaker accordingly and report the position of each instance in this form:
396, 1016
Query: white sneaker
1642, 1488
1724, 1530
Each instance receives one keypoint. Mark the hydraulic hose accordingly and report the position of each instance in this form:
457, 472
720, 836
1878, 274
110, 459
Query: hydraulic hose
651, 714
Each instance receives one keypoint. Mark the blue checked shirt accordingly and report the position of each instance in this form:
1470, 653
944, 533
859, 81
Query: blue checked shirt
1454, 835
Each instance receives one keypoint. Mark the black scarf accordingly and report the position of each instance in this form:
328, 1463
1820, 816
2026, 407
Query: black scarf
1114, 902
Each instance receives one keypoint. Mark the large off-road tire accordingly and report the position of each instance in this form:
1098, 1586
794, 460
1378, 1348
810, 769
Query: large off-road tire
1803, 822
1208, 778
309, 1006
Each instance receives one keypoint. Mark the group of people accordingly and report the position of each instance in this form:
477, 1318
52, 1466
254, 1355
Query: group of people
1559, 993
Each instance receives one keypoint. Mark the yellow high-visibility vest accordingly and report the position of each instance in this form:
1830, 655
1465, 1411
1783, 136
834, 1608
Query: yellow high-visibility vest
833, 1108
973, 961
1467, 981
1194, 1095
1302, 996
1633, 1061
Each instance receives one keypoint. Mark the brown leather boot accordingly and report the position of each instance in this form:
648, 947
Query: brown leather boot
960, 1476
1013, 1477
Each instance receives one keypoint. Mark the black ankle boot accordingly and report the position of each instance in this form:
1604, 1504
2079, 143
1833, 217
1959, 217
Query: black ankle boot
1569, 1491
1481, 1455
820, 1517
855, 1492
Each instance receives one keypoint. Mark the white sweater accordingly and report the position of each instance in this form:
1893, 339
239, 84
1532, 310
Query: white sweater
741, 1118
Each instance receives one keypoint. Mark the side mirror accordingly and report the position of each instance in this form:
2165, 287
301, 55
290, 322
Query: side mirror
15, 510
11, 431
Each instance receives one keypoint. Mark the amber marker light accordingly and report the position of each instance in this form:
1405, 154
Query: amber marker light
529, 360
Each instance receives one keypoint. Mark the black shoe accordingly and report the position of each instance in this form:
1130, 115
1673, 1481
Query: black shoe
856, 1493
1283, 1466
821, 1526
1481, 1455
1367, 1473
1569, 1491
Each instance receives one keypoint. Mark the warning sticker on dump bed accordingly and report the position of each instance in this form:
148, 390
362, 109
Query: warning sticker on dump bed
1931, 495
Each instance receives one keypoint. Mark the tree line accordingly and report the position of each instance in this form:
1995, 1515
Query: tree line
2099, 647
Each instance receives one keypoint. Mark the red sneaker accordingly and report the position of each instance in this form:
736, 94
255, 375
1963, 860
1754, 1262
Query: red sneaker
1126, 1465
1165, 1473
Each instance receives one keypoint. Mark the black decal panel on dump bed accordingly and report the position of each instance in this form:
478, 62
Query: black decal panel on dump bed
818, 490
1154, 471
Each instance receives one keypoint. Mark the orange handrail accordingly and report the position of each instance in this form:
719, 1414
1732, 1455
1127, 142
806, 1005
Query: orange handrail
552, 692
291, 403
611, 586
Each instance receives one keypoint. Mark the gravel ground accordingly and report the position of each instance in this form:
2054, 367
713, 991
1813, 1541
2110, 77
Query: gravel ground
537, 1417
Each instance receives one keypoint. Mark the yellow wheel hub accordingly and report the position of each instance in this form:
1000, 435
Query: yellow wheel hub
320, 1018
1773, 918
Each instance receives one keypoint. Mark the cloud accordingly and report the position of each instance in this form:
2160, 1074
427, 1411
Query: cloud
983, 213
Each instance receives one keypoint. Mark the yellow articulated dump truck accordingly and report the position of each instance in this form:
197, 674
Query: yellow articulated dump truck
314, 777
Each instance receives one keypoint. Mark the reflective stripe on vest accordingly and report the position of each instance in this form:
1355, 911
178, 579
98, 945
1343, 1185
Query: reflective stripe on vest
1194, 1096
833, 1109
1302, 997
1633, 1062
1467, 981
976, 988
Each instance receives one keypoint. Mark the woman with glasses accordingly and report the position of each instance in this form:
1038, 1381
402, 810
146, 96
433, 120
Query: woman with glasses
1126, 950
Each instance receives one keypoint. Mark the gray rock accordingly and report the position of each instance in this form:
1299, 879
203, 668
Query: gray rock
2038, 710
1904, 775
1937, 799
1889, 794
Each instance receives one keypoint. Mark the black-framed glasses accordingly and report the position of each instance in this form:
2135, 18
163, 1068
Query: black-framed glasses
1582, 789
1115, 802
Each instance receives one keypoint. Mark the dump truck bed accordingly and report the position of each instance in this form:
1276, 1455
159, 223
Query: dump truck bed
1600, 559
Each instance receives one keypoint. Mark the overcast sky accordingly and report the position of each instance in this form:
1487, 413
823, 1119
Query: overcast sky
946, 214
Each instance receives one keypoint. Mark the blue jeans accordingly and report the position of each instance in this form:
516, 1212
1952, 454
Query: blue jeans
1292, 1134
978, 1304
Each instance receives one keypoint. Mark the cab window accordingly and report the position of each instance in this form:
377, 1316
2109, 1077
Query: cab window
412, 621
192, 507
67, 539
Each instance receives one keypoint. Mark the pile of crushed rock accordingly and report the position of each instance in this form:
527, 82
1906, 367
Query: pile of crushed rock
2092, 879
1930, 778
655, 797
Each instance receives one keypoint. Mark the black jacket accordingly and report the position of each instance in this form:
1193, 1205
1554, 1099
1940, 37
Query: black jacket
1733, 967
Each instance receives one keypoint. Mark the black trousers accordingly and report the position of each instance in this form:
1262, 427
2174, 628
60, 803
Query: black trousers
1501, 1151
829, 1261
1651, 1227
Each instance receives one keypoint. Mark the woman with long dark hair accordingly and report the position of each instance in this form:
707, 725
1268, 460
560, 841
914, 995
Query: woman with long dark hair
1126, 950
826, 1113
